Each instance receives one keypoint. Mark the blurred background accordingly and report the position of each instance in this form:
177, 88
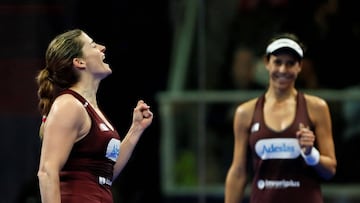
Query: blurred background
193, 61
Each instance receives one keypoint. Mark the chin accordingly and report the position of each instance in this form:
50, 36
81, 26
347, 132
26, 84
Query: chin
108, 69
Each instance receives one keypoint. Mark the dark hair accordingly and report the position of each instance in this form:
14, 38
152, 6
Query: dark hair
58, 73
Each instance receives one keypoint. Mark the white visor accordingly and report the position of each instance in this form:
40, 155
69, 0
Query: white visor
282, 43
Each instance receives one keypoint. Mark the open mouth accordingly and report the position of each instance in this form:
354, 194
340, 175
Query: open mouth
104, 59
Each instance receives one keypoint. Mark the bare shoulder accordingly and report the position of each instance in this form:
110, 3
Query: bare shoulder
67, 107
317, 107
246, 109
315, 102
67, 102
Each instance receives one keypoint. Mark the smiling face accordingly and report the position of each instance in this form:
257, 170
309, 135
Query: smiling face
283, 70
93, 57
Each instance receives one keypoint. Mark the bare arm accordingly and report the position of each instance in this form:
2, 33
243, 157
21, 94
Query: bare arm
320, 115
236, 175
142, 118
63, 126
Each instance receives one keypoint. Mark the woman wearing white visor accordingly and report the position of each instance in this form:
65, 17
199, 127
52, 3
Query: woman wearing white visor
284, 136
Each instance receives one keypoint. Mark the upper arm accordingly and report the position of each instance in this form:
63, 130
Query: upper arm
241, 123
321, 117
62, 128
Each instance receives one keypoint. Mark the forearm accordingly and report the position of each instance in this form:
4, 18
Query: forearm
326, 167
234, 187
127, 147
49, 188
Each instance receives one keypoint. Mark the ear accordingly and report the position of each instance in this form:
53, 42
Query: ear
78, 62
266, 62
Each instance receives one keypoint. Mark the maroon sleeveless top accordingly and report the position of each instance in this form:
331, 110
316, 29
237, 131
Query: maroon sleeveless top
280, 173
88, 172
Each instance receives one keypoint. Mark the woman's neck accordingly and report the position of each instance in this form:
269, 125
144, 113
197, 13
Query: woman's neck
88, 94
280, 95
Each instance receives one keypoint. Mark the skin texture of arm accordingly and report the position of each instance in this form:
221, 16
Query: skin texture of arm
142, 118
236, 177
320, 116
67, 122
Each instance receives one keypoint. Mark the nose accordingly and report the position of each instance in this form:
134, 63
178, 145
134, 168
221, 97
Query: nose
282, 67
102, 48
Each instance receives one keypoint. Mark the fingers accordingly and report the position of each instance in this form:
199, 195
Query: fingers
303, 130
147, 114
301, 126
140, 102
306, 137
141, 105
307, 140
144, 109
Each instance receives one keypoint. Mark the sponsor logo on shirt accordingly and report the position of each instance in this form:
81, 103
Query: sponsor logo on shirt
113, 149
103, 127
277, 184
278, 148
255, 127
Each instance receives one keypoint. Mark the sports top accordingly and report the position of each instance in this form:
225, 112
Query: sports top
280, 174
87, 174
